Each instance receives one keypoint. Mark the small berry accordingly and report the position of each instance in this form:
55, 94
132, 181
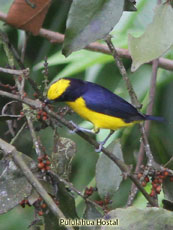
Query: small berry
40, 112
40, 198
160, 181
22, 203
158, 189
139, 175
41, 165
44, 114
40, 213
143, 183
57, 202
155, 185
166, 173
40, 159
47, 168
22, 113
45, 157
99, 202
147, 179
48, 162
38, 117
152, 193
35, 95
25, 94
43, 205
44, 118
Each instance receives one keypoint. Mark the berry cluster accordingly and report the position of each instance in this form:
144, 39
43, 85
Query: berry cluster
41, 206
24, 202
156, 178
104, 204
89, 191
44, 163
42, 115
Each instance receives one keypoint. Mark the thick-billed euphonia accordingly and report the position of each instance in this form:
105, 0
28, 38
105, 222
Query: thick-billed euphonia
96, 104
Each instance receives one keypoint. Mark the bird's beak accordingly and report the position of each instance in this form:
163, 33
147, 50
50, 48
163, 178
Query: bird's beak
47, 101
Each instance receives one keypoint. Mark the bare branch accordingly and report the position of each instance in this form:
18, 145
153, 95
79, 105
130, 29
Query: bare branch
14, 72
123, 72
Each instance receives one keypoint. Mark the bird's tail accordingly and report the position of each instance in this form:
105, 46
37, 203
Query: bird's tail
154, 118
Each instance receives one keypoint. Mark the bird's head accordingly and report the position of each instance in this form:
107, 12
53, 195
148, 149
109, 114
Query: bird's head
57, 90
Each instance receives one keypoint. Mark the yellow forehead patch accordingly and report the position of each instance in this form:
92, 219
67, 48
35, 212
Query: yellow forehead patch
57, 89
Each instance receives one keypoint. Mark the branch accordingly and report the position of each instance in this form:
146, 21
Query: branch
121, 164
123, 72
55, 37
14, 72
72, 188
146, 126
10, 151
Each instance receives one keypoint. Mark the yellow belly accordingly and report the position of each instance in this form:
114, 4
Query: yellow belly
99, 120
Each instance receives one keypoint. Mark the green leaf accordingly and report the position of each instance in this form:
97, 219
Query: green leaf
91, 213
168, 189
156, 40
141, 219
108, 174
14, 187
89, 21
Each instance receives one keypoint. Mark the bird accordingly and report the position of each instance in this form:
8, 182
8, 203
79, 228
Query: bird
95, 103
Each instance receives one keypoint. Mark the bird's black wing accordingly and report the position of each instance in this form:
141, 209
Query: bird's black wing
103, 101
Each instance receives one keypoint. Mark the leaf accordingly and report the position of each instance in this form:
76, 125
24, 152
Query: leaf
89, 21
168, 189
140, 219
108, 174
66, 201
91, 213
167, 205
130, 5
14, 187
62, 158
23, 16
156, 40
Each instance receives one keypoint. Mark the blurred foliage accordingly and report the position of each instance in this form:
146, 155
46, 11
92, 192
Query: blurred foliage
99, 68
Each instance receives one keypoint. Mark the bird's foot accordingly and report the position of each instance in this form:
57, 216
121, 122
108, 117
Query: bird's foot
103, 142
99, 149
77, 128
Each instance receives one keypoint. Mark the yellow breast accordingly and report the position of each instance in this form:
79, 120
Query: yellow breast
99, 120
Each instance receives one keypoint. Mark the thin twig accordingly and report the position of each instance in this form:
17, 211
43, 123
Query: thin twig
17, 134
10, 151
72, 188
56, 37
149, 110
14, 72
34, 136
123, 72
146, 126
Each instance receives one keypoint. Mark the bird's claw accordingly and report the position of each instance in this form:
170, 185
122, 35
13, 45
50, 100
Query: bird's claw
75, 129
99, 149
